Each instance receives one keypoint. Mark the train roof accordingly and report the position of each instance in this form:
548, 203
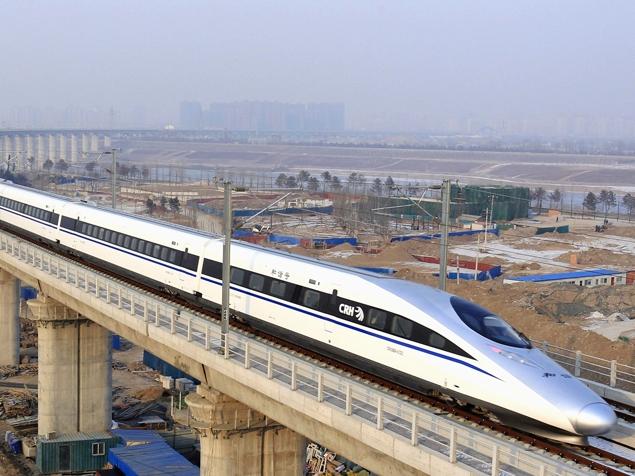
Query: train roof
207, 235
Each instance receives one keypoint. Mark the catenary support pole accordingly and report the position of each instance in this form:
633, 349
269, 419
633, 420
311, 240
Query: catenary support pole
227, 213
445, 223
114, 178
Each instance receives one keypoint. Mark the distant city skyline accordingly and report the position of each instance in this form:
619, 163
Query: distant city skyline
460, 67
261, 115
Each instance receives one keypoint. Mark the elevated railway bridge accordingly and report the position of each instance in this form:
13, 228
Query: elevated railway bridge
251, 387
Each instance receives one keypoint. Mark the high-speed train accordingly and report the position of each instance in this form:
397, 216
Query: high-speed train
412, 334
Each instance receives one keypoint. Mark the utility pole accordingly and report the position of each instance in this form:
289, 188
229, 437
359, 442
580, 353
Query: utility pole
114, 178
445, 223
227, 213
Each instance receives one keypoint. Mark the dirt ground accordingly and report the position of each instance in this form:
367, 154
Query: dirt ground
543, 312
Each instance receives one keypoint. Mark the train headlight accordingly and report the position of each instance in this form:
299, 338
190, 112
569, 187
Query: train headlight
515, 357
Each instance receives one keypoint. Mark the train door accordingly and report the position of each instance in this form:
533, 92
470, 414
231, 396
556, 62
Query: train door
329, 326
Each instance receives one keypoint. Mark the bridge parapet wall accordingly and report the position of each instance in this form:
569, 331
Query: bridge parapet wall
382, 432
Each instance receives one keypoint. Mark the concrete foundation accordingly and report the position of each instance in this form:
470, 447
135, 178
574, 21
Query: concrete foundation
237, 440
74, 370
9, 319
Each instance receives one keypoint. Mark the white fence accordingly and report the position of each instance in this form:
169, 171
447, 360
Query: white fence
473, 449
596, 369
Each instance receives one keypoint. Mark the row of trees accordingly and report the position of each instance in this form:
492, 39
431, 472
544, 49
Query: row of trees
539, 194
123, 170
607, 200
173, 204
326, 181
603, 202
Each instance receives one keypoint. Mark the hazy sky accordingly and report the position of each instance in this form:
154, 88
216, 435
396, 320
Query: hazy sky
389, 61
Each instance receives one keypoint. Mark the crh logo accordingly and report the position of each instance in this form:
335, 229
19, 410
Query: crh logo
352, 311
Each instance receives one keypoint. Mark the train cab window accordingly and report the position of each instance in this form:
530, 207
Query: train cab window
311, 298
237, 276
279, 288
487, 324
401, 327
377, 319
256, 282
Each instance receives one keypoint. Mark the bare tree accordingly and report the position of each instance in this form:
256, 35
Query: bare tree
539, 195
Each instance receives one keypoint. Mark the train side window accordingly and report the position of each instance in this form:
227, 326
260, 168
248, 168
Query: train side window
256, 282
102, 233
107, 234
121, 239
212, 268
377, 319
190, 261
126, 242
237, 276
156, 251
96, 231
133, 244
89, 230
114, 236
436, 340
164, 253
141, 246
172, 257
149, 248
279, 288
401, 327
311, 298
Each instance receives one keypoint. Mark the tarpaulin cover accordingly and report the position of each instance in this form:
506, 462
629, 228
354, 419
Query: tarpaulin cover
147, 454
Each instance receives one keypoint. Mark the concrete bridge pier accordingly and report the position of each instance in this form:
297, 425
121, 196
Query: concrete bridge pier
74, 370
236, 440
9, 319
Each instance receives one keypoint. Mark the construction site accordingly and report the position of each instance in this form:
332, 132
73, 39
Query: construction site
553, 276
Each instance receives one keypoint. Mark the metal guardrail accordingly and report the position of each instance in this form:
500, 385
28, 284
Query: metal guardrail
408, 422
589, 367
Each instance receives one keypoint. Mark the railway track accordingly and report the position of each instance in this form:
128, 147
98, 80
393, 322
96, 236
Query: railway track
624, 412
588, 456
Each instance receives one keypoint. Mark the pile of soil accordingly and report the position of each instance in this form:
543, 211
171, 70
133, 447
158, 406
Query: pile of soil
597, 257
149, 394
546, 313
564, 301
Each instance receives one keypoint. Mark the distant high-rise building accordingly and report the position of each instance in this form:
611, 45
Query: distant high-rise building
325, 117
264, 116
191, 115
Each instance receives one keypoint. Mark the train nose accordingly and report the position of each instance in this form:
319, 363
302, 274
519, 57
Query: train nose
594, 419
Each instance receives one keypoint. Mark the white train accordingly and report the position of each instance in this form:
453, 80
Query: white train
415, 335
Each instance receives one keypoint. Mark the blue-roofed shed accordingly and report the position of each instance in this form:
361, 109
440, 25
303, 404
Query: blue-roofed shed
147, 454
584, 277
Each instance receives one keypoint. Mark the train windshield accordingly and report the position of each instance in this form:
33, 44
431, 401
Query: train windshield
487, 324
